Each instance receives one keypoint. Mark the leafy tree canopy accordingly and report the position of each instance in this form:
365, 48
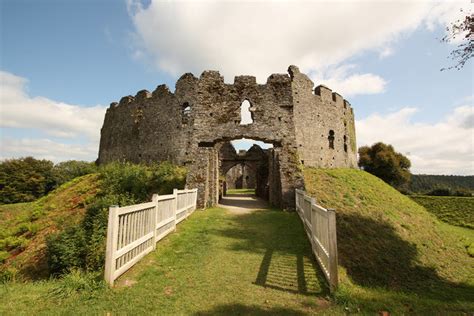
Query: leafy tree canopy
27, 179
384, 162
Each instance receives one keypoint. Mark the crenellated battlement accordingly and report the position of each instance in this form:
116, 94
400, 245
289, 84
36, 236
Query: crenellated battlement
211, 77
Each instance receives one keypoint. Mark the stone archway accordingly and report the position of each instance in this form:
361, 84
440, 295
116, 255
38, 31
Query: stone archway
246, 168
275, 181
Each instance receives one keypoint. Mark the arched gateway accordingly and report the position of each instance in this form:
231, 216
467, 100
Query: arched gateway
191, 125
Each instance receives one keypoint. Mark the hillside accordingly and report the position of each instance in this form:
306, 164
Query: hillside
24, 226
393, 254
423, 183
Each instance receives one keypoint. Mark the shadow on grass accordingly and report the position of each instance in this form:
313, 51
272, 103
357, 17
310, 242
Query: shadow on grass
375, 256
240, 309
372, 252
246, 201
287, 261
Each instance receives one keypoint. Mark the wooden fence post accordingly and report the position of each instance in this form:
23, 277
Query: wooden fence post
175, 206
333, 275
195, 198
111, 246
311, 217
154, 199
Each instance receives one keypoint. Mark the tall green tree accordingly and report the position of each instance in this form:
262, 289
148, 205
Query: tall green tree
25, 179
384, 162
67, 170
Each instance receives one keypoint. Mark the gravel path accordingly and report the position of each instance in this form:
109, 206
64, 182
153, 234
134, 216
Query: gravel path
243, 203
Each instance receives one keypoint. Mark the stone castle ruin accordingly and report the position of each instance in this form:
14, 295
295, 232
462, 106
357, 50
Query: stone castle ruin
194, 126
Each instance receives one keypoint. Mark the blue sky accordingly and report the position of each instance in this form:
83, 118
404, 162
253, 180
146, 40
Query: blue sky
63, 62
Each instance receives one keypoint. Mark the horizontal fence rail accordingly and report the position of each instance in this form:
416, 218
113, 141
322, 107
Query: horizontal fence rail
134, 230
320, 226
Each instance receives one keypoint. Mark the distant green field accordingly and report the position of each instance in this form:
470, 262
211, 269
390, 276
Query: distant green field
453, 210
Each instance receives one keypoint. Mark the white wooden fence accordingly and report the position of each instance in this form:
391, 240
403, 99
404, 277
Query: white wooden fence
320, 226
133, 231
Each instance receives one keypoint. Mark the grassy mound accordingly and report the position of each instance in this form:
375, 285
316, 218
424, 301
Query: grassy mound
454, 210
24, 226
393, 254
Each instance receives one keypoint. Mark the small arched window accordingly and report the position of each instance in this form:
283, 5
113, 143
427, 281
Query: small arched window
331, 139
246, 116
185, 112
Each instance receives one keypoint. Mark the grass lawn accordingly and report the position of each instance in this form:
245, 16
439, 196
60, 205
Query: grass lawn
215, 263
454, 210
241, 191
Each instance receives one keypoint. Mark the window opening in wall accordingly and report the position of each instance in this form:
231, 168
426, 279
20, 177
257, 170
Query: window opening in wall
331, 139
185, 112
246, 116
345, 143
186, 109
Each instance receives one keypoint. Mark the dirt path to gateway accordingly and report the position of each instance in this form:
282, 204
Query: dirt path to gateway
243, 203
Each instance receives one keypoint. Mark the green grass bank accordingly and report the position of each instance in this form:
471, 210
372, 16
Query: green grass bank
394, 255
25, 226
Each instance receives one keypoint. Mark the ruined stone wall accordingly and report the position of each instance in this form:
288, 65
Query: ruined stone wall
145, 128
324, 125
190, 125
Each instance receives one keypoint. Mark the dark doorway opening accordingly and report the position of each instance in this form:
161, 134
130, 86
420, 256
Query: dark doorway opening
244, 168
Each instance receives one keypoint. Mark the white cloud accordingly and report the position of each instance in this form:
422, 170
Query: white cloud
47, 149
259, 38
386, 52
19, 110
444, 147
342, 80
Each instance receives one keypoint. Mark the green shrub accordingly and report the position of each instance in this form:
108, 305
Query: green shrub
14, 242
66, 250
4, 256
36, 214
7, 274
83, 247
125, 179
29, 229
140, 182
165, 177
470, 249
77, 282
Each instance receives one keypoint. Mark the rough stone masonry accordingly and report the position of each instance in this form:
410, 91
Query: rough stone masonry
307, 127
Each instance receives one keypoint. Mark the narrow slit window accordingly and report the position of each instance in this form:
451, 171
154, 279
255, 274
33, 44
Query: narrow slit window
331, 139
345, 143
246, 116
